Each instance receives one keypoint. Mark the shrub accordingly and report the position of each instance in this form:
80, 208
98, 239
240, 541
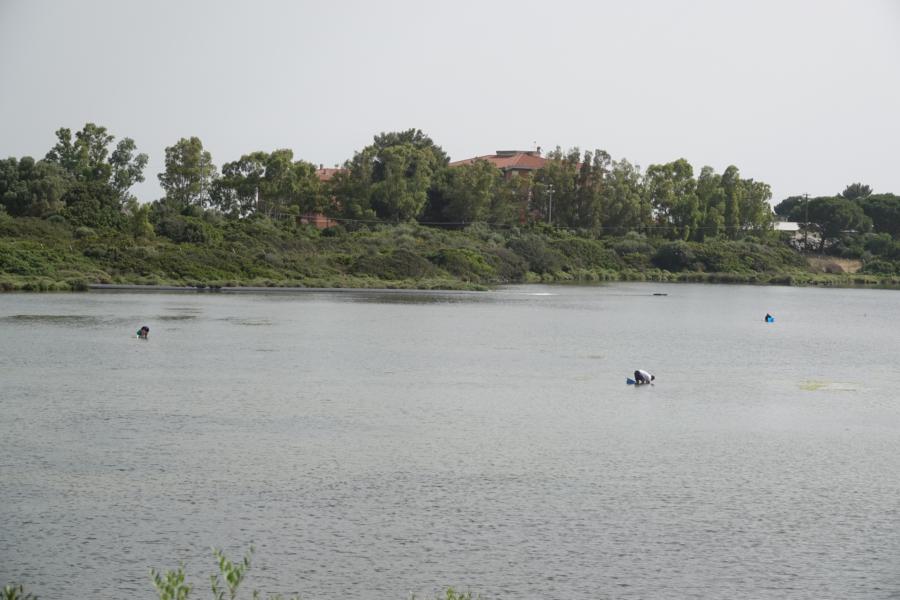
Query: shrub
719, 256
881, 244
508, 266
78, 284
582, 252
464, 263
334, 231
632, 243
272, 258
674, 256
399, 264
187, 229
540, 258
83, 232
880, 267
94, 204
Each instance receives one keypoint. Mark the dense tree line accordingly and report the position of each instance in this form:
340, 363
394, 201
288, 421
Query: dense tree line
400, 177
86, 179
855, 223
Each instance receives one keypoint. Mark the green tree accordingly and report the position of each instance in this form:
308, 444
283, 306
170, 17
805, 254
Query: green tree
390, 178
592, 181
755, 211
415, 138
671, 190
272, 184
287, 183
467, 192
555, 187
855, 191
711, 201
568, 188
65, 154
34, 189
785, 208
93, 204
189, 174
622, 197
138, 220
510, 203
236, 192
87, 158
351, 192
731, 186
832, 217
884, 211
127, 168
401, 178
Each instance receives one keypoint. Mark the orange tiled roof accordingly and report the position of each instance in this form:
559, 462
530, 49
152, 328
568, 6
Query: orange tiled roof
507, 160
325, 173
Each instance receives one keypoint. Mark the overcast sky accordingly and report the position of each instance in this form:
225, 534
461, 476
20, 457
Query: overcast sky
802, 94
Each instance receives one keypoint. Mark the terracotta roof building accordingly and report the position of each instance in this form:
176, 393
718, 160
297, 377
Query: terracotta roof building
325, 173
511, 162
317, 219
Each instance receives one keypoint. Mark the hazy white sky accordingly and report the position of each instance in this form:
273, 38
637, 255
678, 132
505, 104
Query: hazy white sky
802, 94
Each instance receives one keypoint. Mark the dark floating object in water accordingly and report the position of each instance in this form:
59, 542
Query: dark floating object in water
659, 294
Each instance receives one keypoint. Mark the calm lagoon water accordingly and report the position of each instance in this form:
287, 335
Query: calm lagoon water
373, 444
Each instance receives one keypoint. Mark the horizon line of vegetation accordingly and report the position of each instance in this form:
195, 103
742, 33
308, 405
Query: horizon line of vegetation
83, 186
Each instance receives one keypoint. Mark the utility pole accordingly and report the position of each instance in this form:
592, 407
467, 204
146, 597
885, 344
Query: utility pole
806, 222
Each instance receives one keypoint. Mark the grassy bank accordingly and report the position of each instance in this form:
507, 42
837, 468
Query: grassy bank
51, 255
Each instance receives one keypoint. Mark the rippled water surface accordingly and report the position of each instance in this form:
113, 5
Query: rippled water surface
376, 444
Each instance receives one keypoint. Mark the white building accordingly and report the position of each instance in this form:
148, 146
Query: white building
786, 226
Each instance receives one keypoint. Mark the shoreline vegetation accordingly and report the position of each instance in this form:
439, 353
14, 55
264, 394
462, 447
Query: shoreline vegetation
400, 215
262, 254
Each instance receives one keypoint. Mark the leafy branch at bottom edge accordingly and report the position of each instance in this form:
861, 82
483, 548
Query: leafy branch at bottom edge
171, 584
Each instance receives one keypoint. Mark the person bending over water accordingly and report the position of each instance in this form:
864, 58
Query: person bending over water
143, 332
641, 377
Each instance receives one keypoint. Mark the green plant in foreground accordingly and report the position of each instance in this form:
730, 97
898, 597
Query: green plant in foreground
452, 594
15, 592
232, 574
170, 586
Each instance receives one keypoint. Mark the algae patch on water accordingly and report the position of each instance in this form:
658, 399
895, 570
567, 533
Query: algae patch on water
826, 386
